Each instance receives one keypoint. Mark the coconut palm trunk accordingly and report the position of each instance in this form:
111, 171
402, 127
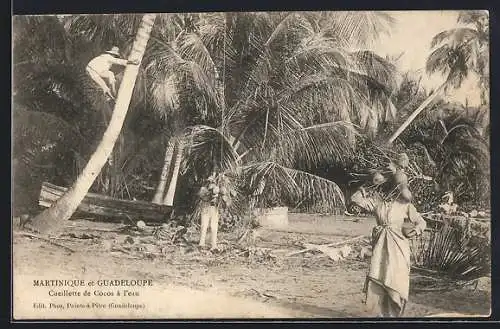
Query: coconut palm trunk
160, 190
412, 117
169, 197
452, 68
52, 218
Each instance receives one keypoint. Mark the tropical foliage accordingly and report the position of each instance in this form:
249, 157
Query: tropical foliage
286, 104
462, 50
452, 252
258, 91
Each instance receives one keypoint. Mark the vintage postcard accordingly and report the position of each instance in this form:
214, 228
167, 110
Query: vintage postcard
238, 165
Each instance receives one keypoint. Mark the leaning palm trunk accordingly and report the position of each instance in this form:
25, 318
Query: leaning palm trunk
169, 197
105, 176
63, 209
428, 100
169, 154
412, 117
115, 166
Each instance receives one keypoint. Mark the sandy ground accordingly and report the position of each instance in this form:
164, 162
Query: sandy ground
192, 283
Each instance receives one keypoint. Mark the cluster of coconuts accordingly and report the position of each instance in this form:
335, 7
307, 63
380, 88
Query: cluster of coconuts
395, 173
215, 190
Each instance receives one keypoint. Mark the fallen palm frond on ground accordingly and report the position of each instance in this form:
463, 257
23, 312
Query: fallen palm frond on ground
334, 253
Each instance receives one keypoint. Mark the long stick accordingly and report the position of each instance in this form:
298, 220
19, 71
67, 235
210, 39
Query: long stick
30, 235
327, 245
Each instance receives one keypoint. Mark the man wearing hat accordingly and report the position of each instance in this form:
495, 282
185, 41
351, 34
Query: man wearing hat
99, 69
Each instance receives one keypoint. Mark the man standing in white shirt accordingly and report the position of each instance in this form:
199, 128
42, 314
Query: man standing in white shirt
99, 69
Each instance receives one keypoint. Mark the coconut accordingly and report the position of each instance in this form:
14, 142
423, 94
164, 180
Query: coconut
226, 199
392, 167
400, 177
215, 189
141, 225
403, 160
378, 179
223, 190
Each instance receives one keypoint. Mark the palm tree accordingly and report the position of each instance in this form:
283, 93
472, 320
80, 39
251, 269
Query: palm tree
266, 73
187, 66
456, 53
478, 49
49, 72
455, 146
179, 152
49, 76
44, 145
160, 189
248, 84
64, 208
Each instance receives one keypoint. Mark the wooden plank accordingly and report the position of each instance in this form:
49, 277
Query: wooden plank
103, 199
106, 206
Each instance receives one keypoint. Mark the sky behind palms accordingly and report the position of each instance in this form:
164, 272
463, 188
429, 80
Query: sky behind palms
412, 34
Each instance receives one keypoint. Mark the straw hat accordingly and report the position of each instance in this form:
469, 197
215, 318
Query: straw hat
114, 51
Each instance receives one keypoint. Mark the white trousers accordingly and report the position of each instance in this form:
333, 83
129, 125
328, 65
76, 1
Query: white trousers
209, 215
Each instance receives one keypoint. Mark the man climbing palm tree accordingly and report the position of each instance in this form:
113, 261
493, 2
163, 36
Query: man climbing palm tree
99, 69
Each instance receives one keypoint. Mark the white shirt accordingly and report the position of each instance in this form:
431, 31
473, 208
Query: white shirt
103, 63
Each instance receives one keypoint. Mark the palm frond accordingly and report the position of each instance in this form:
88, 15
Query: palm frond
178, 83
331, 97
318, 51
318, 143
450, 252
290, 21
34, 132
376, 68
271, 183
358, 28
38, 39
165, 96
450, 62
207, 151
454, 37
191, 47
105, 30
472, 16
60, 88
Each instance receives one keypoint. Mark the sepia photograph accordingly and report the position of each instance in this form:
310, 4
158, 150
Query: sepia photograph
251, 165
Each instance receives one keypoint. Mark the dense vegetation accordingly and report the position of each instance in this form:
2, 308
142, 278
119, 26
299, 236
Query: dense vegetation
289, 105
